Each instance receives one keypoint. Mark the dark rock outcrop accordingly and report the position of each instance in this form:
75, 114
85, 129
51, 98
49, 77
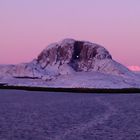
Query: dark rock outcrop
79, 55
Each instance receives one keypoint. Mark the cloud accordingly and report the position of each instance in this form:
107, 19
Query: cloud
134, 68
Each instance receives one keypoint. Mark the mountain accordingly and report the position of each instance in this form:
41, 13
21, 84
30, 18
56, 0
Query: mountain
71, 63
134, 68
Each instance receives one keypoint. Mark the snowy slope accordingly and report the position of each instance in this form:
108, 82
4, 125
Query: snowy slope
71, 63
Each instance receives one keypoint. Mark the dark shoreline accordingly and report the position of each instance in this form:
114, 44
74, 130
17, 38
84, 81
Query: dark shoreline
75, 90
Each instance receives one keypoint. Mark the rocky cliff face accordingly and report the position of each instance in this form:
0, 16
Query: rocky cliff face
66, 57
79, 55
75, 56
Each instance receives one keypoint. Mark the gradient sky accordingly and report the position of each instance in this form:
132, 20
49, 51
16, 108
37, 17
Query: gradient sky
28, 26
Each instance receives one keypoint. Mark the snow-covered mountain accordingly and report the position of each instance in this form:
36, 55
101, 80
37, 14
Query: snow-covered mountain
134, 68
71, 63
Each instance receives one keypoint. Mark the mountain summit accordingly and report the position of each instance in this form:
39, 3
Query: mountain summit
74, 63
71, 55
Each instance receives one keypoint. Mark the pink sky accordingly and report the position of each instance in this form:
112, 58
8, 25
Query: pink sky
28, 26
134, 68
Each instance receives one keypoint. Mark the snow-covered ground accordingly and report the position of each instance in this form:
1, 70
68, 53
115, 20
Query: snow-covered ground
33, 115
80, 79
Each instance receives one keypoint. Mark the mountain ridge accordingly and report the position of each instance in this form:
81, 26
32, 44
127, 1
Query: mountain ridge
69, 58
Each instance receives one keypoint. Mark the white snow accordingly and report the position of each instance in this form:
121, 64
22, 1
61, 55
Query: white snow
80, 79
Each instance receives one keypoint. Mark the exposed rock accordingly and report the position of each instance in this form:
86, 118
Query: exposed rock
74, 56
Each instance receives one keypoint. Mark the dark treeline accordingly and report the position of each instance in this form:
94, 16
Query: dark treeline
76, 90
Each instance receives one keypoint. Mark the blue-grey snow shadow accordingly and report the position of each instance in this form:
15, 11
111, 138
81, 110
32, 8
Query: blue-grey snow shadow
26, 115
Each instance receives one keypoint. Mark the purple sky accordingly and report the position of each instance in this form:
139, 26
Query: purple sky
28, 26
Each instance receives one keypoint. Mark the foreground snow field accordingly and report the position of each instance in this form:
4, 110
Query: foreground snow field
60, 116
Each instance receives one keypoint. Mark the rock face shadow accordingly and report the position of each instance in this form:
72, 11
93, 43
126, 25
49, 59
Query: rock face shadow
76, 56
